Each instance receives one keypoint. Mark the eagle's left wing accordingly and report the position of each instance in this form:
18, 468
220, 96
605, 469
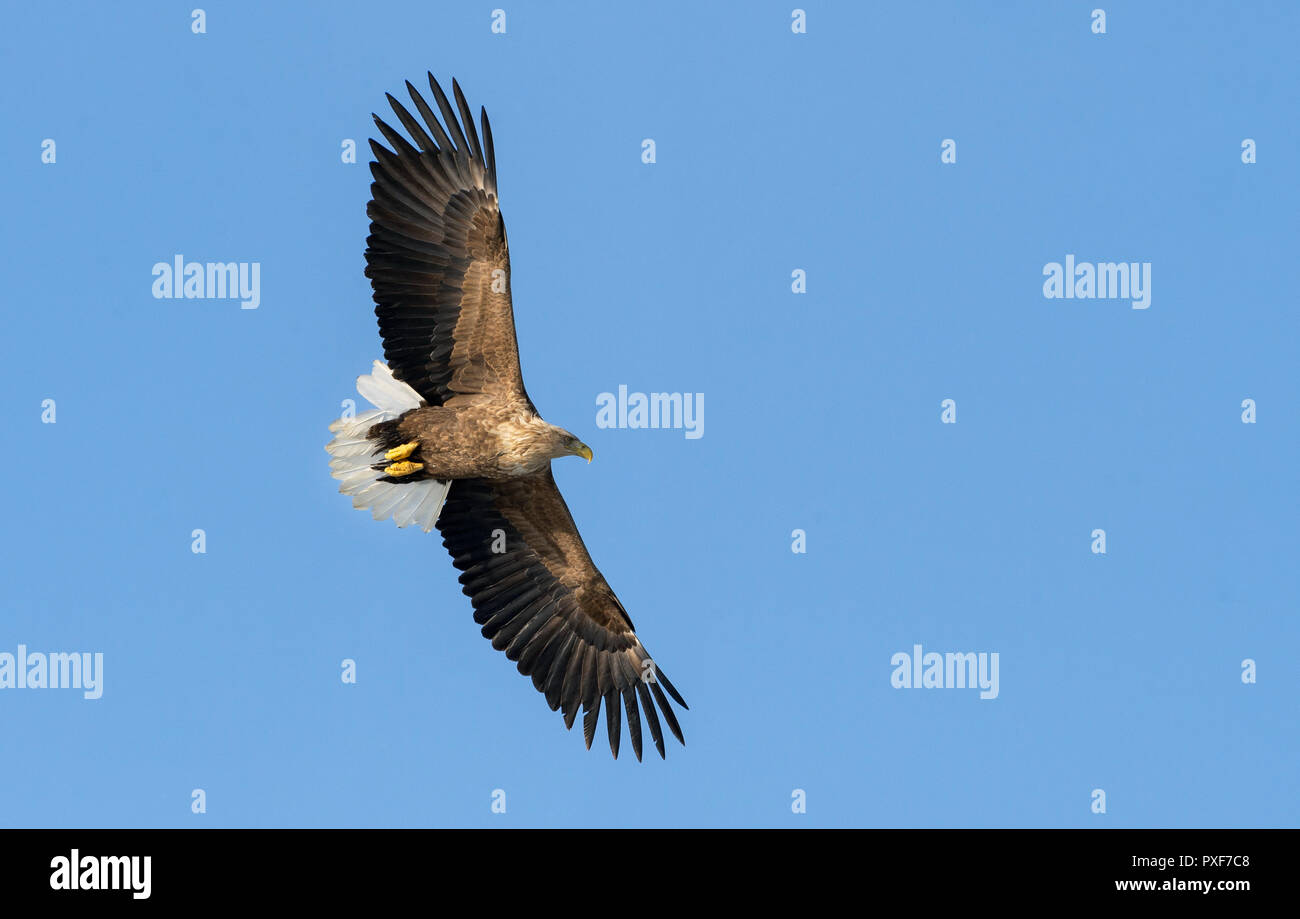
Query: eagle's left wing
541, 600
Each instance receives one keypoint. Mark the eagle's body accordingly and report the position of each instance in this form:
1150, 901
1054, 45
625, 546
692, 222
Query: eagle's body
489, 439
454, 440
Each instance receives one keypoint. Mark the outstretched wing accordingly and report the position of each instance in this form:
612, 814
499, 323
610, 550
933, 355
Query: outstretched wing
437, 256
541, 600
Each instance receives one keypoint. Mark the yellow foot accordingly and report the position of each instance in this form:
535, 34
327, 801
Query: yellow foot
400, 469
402, 452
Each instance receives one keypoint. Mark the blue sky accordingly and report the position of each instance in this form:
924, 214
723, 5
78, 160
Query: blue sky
775, 151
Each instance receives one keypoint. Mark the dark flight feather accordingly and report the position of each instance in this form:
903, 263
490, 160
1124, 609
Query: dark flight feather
545, 603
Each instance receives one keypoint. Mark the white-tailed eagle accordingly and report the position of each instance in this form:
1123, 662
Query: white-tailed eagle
454, 440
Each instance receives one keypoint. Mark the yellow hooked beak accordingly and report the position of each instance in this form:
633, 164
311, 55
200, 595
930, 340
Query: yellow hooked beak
584, 451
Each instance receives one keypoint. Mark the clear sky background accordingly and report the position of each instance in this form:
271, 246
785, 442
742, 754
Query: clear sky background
775, 152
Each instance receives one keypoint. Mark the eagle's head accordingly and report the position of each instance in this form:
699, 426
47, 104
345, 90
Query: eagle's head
568, 445
531, 442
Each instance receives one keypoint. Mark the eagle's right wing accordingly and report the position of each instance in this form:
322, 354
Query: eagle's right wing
437, 256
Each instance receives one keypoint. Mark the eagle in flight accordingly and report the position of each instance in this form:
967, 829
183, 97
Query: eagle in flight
454, 441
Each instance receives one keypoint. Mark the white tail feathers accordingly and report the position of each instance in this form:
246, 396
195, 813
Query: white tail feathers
354, 456
386, 392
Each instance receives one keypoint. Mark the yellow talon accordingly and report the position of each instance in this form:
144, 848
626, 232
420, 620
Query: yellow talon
401, 469
402, 452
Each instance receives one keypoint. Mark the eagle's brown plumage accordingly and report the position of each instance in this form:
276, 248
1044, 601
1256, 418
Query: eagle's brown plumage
439, 263
437, 257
